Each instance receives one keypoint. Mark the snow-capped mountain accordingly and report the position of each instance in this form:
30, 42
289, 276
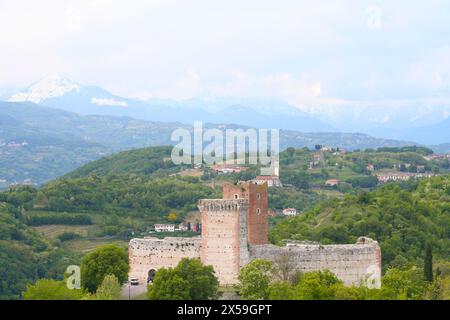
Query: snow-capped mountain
50, 87
62, 93
383, 120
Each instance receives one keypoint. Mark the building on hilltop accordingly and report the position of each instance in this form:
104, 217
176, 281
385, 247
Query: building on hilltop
332, 183
164, 227
290, 212
234, 231
272, 181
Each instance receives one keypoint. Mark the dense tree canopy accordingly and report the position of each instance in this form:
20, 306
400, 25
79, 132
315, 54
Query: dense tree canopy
189, 280
46, 289
106, 260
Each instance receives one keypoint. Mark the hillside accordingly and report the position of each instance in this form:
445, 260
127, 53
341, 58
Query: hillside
121, 196
306, 168
39, 144
139, 161
26, 255
403, 220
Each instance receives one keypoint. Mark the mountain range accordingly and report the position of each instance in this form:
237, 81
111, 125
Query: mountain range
40, 143
58, 92
423, 122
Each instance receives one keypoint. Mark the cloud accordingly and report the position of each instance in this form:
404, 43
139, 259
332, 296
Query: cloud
108, 102
305, 52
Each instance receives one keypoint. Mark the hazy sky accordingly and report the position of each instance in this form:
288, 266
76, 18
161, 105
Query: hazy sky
299, 51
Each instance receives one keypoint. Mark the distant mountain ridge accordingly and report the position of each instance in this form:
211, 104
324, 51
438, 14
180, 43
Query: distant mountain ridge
409, 121
39, 143
61, 93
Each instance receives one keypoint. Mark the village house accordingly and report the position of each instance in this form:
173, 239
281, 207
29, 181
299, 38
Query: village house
272, 181
437, 157
290, 212
400, 176
227, 169
332, 183
164, 227
370, 167
393, 176
420, 169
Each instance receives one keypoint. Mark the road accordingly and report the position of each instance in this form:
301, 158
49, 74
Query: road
132, 292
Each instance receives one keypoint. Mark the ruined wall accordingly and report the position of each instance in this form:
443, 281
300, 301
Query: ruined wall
224, 237
352, 263
257, 216
153, 253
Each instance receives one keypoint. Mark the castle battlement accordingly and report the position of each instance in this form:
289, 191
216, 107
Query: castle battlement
221, 205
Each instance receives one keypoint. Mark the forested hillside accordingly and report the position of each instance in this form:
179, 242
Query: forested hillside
38, 144
111, 200
402, 218
25, 255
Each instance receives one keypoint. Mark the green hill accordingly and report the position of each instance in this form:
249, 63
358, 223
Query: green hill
121, 196
139, 161
403, 220
38, 144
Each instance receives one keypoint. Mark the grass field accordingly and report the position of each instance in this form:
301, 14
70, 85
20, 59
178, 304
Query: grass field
88, 245
50, 232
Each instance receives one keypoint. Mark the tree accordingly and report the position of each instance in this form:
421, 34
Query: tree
280, 290
46, 289
203, 282
428, 263
254, 279
168, 285
171, 217
317, 285
106, 260
189, 280
285, 265
110, 289
404, 284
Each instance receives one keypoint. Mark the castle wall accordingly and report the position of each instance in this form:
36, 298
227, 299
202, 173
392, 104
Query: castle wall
224, 237
153, 253
351, 263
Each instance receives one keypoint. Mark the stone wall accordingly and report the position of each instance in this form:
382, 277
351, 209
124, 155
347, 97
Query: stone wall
153, 253
352, 263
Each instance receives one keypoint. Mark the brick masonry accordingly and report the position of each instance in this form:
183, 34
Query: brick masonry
235, 231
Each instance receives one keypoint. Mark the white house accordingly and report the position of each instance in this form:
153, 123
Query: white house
272, 181
290, 212
164, 227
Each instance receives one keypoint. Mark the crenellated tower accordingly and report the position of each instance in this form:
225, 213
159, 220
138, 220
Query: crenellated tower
224, 237
257, 215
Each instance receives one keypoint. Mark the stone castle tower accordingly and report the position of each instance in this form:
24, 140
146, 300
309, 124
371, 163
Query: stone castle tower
230, 224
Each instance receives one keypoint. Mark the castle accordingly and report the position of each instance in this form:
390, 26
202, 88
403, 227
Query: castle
235, 231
